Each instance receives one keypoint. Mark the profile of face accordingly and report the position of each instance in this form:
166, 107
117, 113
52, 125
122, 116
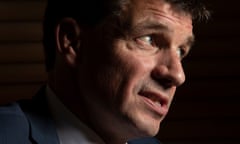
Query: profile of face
128, 81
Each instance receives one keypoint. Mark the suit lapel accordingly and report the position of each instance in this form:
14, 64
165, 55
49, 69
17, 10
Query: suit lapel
14, 127
42, 127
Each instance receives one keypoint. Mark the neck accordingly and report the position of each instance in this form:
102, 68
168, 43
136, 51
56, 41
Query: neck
113, 130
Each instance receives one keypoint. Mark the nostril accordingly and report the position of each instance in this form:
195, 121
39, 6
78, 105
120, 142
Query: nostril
169, 76
163, 79
165, 82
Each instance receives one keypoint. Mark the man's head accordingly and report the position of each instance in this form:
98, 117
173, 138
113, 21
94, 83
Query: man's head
121, 62
92, 12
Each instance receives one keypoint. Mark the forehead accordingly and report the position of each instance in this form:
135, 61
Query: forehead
159, 10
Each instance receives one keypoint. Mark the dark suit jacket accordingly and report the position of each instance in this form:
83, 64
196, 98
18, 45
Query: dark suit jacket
29, 122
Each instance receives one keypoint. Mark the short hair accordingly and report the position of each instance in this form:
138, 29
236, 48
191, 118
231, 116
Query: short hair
195, 8
92, 12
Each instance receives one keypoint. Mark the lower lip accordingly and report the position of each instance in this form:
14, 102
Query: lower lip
161, 110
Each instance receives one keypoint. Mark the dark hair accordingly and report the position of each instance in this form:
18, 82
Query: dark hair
92, 12
197, 9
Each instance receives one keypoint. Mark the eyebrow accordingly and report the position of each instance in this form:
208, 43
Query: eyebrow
152, 25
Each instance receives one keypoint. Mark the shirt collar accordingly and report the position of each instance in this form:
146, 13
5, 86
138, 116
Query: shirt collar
69, 128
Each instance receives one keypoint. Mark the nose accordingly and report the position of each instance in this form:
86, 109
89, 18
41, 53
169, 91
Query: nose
168, 70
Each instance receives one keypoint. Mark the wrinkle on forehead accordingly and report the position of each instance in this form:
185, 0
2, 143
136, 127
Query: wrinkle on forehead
164, 10
173, 18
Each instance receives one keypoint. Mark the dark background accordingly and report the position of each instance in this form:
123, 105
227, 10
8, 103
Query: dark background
206, 109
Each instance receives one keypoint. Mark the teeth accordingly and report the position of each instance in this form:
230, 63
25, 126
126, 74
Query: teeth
158, 103
155, 100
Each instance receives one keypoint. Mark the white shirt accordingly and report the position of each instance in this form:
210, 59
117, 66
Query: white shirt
70, 129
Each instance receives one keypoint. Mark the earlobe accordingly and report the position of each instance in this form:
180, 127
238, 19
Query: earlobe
68, 39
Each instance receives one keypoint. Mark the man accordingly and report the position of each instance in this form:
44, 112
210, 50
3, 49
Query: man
113, 67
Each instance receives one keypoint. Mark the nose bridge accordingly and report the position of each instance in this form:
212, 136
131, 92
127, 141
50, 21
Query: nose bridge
171, 67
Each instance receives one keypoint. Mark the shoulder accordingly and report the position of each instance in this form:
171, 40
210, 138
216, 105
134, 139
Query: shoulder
11, 113
14, 125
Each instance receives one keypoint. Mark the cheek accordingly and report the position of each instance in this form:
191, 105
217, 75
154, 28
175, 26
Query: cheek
115, 75
120, 79
133, 71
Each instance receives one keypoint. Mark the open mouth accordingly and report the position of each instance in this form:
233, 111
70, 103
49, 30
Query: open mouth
155, 101
152, 97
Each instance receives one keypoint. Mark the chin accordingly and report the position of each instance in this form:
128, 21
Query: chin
152, 131
148, 127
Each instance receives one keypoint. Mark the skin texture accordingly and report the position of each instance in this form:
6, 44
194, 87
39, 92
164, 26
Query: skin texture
122, 84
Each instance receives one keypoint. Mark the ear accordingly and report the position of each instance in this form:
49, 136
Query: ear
68, 40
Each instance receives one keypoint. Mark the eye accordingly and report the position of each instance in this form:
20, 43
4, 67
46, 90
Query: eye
181, 52
147, 42
146, 39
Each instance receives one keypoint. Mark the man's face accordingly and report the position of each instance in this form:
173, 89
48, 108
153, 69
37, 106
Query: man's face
129, 80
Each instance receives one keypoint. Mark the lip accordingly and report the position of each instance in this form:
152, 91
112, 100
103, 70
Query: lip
155, 101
